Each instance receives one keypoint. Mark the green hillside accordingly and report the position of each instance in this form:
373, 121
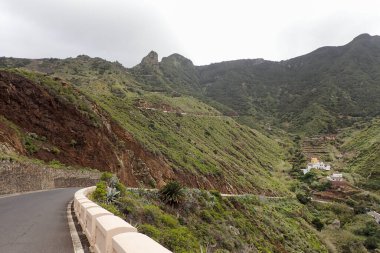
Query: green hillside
329, 88
325, 89
202, 147
362, 149
205, 221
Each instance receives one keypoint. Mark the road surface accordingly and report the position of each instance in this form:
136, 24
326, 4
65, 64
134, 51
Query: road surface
36, 222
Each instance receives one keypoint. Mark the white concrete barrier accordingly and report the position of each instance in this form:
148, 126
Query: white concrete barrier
136, 243
80, 202
102, 229
83, 208
106, 227
92, 214
76, 202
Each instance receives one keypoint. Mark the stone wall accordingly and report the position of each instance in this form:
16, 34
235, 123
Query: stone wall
21, 177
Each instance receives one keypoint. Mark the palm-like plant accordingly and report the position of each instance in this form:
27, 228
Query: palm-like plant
171, 193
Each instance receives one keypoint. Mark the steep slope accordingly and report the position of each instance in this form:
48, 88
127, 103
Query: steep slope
145, 137
333, 86
54, 121
341, 83
362, 149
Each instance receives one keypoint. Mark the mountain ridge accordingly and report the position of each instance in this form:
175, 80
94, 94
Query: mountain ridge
340, 80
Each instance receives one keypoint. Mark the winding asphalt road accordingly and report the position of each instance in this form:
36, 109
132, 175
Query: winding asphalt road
36, 222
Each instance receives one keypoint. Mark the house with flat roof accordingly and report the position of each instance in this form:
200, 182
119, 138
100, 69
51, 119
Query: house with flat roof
316, 164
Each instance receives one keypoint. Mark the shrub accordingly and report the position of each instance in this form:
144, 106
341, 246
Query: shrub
359, 209
168, 220
55, 164
171, 193
152, 213
317, 223
206, 216
180, 240
111, 208
106, 177
303, 198
30, 146
100, 193
309, 177
55, 150
371, 243
121, 188
150, 231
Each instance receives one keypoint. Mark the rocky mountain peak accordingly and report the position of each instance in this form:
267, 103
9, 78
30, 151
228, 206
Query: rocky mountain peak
177, 60
151, 59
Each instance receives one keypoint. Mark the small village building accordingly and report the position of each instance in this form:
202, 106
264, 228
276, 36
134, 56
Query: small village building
316, 164
335, 177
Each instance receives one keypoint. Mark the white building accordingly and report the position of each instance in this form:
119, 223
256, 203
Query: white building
335, 177
316, 164
319, 166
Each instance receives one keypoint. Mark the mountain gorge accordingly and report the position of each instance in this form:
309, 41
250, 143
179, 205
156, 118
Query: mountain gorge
196, 120
239, 127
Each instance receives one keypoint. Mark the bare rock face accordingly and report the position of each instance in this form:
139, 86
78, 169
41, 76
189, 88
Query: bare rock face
150, 62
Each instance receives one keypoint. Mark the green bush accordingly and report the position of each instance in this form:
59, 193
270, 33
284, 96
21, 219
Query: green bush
112, 208
106, 177
359, 209
151, 213
150, 231
168, 220
100, 193
121, 188
180, 240
317, 223
372, 243
303, 198
56, 164
30, 145
206, 216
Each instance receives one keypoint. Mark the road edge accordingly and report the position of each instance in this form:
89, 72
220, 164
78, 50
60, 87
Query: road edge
77, 244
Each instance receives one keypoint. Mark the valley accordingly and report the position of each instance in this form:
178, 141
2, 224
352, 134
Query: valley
234, 135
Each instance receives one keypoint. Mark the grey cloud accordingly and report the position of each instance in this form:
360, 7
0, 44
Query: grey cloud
115, 30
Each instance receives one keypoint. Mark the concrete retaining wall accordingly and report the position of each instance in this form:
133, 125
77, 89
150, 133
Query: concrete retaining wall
21, 177
108, 233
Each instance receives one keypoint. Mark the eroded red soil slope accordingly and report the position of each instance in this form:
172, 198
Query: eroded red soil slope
58, 130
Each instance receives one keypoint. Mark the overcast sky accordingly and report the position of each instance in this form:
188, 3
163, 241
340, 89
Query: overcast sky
204, 31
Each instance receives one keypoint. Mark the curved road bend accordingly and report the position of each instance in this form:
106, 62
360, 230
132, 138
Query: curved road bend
36, 222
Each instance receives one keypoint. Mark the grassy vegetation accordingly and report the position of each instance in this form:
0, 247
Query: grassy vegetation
348, 232
362, 147
205, 222
194, 143
202, 142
